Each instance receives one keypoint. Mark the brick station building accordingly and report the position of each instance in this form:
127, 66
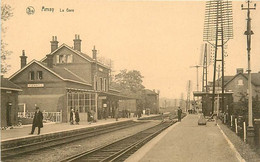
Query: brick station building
67, 79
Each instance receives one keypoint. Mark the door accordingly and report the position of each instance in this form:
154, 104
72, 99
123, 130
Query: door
8, 113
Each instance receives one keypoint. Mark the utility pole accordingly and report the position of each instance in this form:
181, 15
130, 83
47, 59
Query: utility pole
218, 29
197, 66
188, 96
248, 34
205, 70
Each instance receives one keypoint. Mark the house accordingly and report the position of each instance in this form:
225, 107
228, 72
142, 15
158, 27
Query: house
238, 84
67, 79
151, 101
9, 102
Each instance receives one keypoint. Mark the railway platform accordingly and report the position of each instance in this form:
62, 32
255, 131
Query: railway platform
187, 141
54, 128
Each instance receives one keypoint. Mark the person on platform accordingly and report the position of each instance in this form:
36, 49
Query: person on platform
37, 121
179, 114
72, 114
77, 117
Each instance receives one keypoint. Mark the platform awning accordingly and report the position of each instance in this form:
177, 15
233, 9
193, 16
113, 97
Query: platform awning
106, 95
199, 94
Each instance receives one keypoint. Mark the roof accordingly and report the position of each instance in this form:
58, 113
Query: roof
83, 55
150, 92
60, 72
254, 76
8, 85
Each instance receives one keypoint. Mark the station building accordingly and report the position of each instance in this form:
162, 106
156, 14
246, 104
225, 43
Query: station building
67, 79
9, 102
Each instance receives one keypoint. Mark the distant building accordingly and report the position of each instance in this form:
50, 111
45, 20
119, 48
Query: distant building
151, 101
9, 102
67, 79
235, 85
239, 84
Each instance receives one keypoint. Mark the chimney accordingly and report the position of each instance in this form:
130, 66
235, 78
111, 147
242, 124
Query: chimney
240, 70
23, 60
54, 43
94, 51
49, 60
77, 43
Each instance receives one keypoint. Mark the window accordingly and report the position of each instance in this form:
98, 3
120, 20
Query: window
39, 75
105, 84
69, 58
64, 58
31, 75
95, 84
101, 84
240, 82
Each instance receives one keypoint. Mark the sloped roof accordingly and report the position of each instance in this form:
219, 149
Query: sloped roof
60, 72
83, 55
64, 73
6, 84
254, 76
149, 92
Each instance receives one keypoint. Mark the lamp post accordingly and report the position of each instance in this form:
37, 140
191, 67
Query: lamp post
248, 34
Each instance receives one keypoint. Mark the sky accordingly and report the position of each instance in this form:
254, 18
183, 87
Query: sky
161, 39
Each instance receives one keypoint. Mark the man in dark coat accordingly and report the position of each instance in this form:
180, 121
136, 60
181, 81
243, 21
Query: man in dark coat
37, 121
71, 116
179, 114
77, 117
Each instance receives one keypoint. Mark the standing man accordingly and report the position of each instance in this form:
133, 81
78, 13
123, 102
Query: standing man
77, 117
37, 121
72, 114
179, 114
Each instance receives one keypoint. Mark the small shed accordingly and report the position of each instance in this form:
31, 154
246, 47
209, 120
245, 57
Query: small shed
9, 102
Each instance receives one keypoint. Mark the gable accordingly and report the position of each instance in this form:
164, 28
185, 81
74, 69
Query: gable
23, 76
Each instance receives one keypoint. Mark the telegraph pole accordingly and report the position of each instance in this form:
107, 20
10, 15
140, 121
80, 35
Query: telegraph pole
218, 30
197, 66
248, 34
188, 96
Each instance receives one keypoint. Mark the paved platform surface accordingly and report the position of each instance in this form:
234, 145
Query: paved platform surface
48, 128
186, 142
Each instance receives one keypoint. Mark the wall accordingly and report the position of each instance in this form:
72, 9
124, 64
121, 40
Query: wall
237, 89
9, 96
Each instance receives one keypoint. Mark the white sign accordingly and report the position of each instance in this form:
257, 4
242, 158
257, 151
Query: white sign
102, 97
35, 85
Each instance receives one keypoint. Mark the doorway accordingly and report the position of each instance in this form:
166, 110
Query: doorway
8, 114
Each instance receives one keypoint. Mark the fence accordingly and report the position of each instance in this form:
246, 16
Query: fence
239, 124
47, 116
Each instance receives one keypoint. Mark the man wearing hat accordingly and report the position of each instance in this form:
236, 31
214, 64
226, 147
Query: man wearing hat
37, 121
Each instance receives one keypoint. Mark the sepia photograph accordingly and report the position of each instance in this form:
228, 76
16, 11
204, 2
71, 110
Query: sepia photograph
130, 80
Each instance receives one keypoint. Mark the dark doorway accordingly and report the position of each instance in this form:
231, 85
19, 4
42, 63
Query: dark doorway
8, 114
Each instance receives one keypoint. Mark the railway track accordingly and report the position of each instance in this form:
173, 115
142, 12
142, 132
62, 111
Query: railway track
31, 146
121, 149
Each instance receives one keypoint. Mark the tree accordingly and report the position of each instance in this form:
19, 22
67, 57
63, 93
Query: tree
130, 84
130, 81
6, 14
241, 109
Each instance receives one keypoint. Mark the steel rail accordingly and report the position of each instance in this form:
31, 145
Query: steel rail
105, 153
31, 147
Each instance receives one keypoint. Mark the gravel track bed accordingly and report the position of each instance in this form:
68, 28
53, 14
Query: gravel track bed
60, 152
244, 149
